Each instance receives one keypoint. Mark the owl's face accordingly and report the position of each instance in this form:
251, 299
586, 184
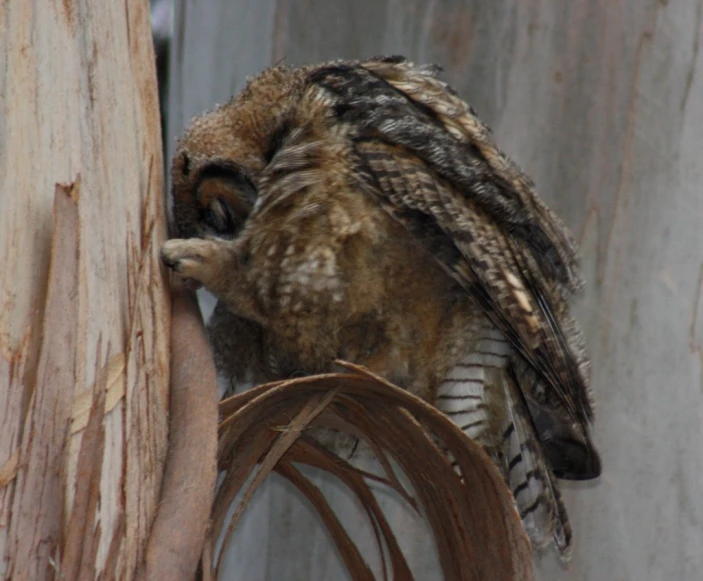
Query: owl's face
212, 199
221, 156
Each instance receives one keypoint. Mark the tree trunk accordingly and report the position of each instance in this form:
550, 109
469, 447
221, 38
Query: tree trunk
84, 316
601, 103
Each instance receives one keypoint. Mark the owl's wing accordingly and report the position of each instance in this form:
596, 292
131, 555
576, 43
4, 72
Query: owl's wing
433, 167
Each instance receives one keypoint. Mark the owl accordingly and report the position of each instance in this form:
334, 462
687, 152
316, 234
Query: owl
360, 210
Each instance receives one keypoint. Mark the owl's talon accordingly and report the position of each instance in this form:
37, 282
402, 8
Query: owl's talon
168, 262
196, 260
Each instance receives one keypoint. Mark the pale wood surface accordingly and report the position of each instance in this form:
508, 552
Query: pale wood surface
78, 107
602, 104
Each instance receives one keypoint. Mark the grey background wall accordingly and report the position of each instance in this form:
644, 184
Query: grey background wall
602, 104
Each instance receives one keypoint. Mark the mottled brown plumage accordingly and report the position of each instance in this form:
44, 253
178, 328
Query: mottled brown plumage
361, 211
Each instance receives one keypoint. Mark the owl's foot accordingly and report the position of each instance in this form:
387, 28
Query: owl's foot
195, 259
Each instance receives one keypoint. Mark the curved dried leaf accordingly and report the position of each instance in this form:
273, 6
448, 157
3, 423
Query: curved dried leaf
477, 530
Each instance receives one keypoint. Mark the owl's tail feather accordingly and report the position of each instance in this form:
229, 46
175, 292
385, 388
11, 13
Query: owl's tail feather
522, 461
482, 395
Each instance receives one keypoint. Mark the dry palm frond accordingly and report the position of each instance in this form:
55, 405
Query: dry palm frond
477, 530
472, 515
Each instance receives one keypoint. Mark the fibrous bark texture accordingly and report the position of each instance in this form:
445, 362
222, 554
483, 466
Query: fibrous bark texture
84, 318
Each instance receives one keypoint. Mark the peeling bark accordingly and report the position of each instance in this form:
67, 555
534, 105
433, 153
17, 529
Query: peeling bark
84, 315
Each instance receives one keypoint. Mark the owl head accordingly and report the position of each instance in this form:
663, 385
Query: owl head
219, 159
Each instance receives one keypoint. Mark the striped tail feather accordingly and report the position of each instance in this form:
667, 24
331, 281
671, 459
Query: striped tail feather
472, 388
481, 394
530, 478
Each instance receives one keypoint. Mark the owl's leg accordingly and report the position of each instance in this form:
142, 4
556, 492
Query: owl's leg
215, 264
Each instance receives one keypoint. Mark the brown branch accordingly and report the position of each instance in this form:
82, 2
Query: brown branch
178, 534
